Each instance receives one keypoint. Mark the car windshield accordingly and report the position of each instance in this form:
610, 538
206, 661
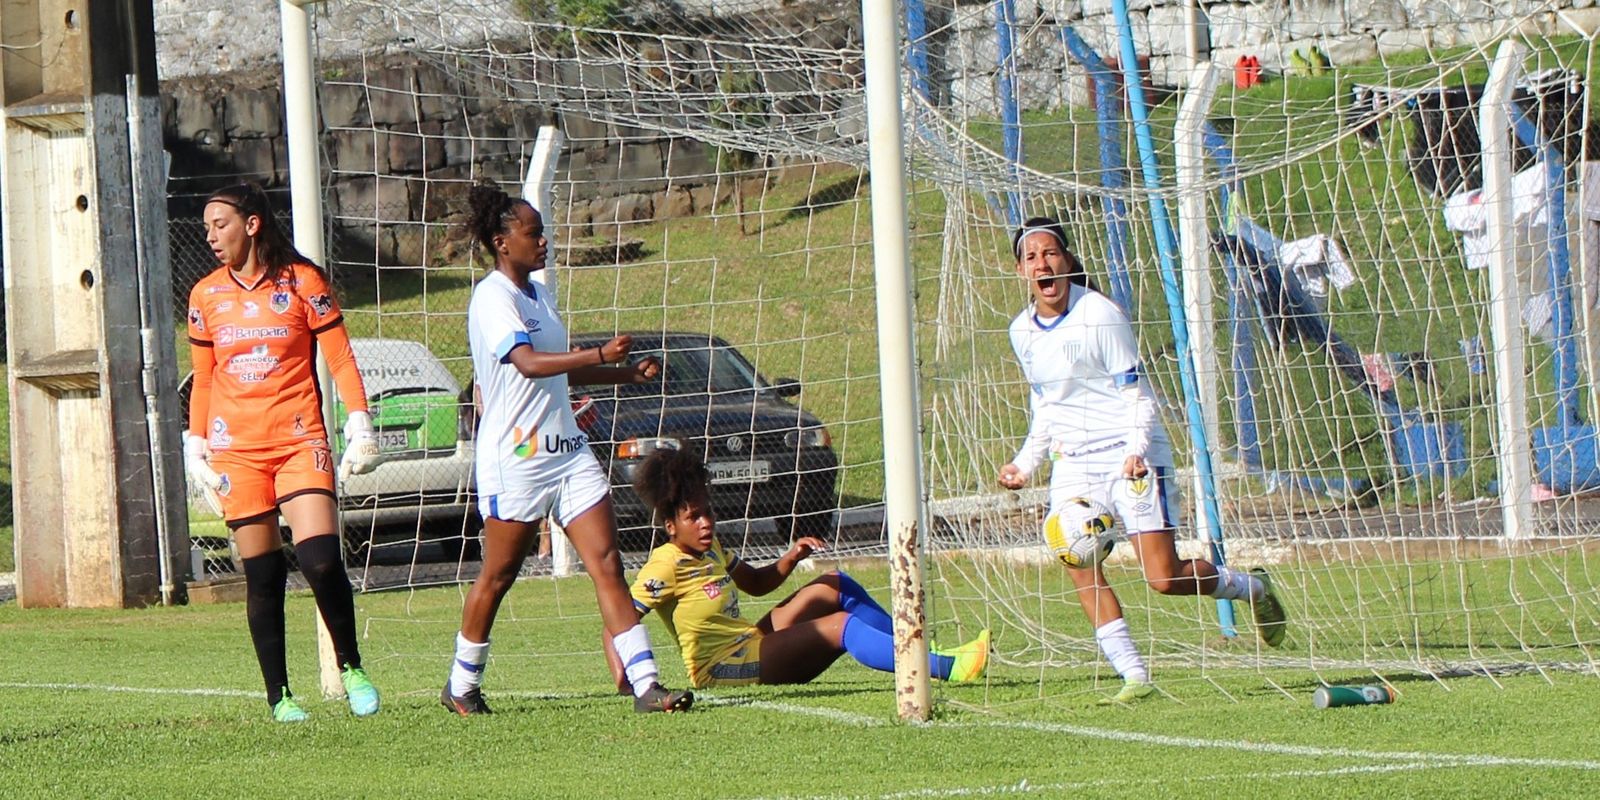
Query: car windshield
691, 371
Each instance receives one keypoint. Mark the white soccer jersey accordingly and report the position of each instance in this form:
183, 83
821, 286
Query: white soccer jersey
527, 435
1091, 408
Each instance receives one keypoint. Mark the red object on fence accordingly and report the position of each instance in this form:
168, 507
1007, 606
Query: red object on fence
1246, 72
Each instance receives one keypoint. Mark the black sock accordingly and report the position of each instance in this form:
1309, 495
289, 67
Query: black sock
324, 570
264, 579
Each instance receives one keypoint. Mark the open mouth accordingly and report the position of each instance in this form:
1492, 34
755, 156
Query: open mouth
1050, 285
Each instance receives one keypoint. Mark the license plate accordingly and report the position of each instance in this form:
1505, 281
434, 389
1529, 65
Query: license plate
393, 440
740, 471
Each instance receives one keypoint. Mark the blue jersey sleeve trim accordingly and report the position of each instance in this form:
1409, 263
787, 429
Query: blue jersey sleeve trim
503, 350
1128, 378
641, 608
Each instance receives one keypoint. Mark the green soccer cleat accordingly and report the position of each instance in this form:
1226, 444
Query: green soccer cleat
1131, 692
1272, 622
358, 689
287, 710
971, 658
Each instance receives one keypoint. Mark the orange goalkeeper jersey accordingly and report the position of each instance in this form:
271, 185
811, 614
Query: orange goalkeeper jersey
254, 347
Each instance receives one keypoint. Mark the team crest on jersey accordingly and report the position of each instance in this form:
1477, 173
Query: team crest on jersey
220, 437
196, 320
322, 304
279, 302
224, 485
655, 586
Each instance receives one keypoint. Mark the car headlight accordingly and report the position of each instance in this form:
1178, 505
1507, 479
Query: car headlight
808, 437
643, 446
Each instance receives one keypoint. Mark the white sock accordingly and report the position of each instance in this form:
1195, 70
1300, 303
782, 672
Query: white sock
1232, 585
466, 673
1118, 647
638, 663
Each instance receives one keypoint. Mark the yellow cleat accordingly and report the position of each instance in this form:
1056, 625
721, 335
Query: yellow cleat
1131, 692
970, 658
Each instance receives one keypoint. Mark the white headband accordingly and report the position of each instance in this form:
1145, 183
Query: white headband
1023, 235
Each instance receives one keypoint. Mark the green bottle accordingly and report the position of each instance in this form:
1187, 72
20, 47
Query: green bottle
1332, 696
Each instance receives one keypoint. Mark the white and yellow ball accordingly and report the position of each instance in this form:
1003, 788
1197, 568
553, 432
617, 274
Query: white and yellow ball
1081, 533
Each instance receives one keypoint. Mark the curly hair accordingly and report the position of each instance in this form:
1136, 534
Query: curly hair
488, 210
669, 480
274, 249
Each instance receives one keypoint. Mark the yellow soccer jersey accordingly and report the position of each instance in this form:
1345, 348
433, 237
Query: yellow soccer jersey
698, 602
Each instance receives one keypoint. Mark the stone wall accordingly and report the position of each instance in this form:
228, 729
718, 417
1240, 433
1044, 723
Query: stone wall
1349, 31
398, 158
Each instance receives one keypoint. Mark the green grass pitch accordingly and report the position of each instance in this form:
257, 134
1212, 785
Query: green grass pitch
167, 703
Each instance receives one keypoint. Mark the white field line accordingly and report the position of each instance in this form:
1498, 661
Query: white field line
1190, 742
1025, 787
98, 687
865, 720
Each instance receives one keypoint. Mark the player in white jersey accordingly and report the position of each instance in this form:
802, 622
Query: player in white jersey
533, 461
1096, 422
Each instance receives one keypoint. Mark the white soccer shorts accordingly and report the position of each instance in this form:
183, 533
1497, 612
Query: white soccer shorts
1141, 504
582, 487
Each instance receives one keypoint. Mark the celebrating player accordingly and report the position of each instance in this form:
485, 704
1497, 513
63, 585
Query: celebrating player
533, 461
695, 583
1097, 423
256, 443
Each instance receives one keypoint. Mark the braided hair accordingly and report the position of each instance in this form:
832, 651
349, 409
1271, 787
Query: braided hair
274, 250
670, 479
488, 210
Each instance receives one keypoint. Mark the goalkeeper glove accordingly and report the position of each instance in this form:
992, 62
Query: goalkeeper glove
198, 466
360, 446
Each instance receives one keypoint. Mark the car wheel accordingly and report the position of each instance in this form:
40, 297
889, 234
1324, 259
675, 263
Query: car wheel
820, 525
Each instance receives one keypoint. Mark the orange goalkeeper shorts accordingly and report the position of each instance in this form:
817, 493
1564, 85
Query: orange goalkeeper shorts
254, 482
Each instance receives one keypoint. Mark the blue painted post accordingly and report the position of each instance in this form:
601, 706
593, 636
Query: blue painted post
1167, 250
1112, 165
1560, 265
1005, 21
917, 33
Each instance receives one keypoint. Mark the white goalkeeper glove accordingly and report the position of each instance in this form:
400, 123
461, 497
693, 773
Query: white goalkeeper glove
197, 464
360, 446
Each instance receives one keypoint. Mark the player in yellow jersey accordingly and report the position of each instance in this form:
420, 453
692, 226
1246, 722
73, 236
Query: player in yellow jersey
695, 584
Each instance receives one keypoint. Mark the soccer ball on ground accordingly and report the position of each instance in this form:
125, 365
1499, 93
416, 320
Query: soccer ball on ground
1081, 534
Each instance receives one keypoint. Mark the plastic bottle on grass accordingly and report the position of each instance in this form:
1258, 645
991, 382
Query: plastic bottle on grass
1333, 696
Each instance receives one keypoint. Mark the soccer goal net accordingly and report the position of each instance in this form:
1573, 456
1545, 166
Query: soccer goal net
1305, 233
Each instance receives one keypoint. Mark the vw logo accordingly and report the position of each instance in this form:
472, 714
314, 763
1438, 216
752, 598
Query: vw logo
735, 444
